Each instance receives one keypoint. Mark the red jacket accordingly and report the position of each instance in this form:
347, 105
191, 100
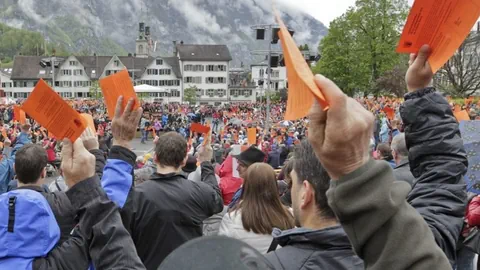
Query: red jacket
473, 212
228, 184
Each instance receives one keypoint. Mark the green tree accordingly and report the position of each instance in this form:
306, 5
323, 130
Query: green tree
190, 94
360, 45
305, 47
95, 91
300, 47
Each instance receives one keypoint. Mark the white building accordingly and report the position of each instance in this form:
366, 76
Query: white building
278, 79
206, 67
163, 73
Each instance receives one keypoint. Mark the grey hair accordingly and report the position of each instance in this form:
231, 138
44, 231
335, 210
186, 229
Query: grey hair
399, 145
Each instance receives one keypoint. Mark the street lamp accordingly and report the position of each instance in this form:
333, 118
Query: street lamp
261, 31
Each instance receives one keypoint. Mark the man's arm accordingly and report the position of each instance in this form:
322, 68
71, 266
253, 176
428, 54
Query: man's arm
90, 142
215, 204
382, 227
117, 180
99, 161
370, 206
99, 235
438, 162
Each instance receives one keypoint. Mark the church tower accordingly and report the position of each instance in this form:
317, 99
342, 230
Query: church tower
142, 48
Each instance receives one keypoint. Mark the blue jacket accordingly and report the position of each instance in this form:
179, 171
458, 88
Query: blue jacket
32, 235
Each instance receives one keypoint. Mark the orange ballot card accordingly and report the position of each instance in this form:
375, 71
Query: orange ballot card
252, 135
301, 82
442, 24
53, 113
89, 121
19, 115
117, 85
462, 116
196, 127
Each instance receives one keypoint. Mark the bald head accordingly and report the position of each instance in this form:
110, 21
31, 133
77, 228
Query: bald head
399, 146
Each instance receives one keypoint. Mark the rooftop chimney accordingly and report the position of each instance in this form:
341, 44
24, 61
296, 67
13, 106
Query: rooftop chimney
175, 52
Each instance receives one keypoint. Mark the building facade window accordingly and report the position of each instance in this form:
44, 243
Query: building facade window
200, 92
210, 92
152, 71
66, 72
73, 63
175, 93
234, 92
197, 68
78, 72
262, 73
159, 62
165, 71
215, 80
216, 68
196, 80
220, 92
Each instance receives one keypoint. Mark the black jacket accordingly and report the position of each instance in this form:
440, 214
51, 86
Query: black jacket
168, 210
438, 163
99, 236
60, 204
402, 172
304, 249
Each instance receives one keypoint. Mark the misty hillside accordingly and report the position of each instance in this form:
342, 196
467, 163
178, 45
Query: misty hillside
110, 26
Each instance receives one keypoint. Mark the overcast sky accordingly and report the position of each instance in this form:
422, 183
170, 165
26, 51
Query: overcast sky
324, 10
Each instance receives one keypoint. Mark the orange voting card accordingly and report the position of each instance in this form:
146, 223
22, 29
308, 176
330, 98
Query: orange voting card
196, 127
252, 136
462, 116
19, 115
301, 82
89, 121
443, 25
53, 113
389, 112
457, 108
117, 85
207, 137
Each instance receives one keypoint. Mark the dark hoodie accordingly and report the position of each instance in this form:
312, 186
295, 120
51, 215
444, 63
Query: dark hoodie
313, 249
29, 232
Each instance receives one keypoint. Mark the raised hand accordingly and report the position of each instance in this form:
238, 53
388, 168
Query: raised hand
341, 135
419, 74
124, 124
89, 139
77, 163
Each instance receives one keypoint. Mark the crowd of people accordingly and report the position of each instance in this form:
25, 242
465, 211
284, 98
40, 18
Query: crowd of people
371, 183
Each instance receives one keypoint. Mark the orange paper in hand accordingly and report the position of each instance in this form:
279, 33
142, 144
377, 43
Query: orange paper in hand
252, 136
53, 113
19, 115
301, 82
196, 127
389, 112
443, 25
117, 85
88, 121
462, 116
